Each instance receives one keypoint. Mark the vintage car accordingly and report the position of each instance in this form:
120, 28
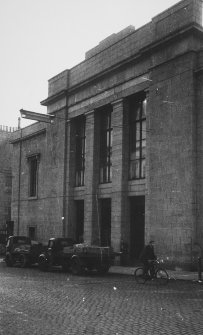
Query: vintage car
22, 251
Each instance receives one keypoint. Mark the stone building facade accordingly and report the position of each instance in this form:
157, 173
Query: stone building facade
121, 163
5, 180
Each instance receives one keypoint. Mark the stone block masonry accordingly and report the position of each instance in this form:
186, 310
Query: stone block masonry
163, 62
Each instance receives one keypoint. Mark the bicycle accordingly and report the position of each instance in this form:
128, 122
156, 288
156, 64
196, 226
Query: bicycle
159, 273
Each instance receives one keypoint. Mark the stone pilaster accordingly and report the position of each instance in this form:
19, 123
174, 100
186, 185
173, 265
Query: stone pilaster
119, 173
91, 231
69, 217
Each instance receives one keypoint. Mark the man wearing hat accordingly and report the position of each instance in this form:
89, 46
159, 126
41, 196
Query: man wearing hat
147, 256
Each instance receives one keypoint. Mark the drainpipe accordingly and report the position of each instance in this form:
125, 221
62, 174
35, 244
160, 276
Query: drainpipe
64, 216
19, 182
65, 174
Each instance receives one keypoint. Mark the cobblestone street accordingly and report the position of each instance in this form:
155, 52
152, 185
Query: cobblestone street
56, 303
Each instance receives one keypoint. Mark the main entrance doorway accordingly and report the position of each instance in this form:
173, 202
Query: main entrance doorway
105, 222
137, 226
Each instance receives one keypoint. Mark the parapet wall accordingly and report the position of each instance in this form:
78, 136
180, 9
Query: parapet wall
129, 43
110, 40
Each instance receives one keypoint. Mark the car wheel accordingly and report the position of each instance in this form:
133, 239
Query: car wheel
103, 269
43, 264
9, 260
65, 267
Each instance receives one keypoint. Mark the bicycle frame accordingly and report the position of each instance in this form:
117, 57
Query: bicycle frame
156, 271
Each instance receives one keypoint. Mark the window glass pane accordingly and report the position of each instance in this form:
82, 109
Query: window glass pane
137, 144
133, 156
134, 169
138, 110
144, 152
110, 173
143, 168
138, 152
111, 138
137, 131
137, 141
80, 151
144, 129
107, 139
144, 108
101, 175
105, 145
137, 162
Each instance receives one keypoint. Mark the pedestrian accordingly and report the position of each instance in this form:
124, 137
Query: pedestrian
124, 252
147, 257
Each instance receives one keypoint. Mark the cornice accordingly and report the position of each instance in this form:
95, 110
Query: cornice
53, 98
144, 52
27, 137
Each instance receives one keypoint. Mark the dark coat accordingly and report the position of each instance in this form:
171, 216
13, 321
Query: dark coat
147, 253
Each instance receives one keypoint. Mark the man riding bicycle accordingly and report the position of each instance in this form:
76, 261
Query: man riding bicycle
147, 257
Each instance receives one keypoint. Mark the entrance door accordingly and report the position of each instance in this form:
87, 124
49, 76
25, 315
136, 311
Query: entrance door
137, 226
105, 222
79, 221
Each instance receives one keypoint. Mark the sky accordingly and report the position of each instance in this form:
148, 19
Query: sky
41, 38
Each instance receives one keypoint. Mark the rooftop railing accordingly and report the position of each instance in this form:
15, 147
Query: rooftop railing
8, 129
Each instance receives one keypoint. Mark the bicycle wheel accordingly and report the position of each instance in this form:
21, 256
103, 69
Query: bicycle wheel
139, 276
162, 276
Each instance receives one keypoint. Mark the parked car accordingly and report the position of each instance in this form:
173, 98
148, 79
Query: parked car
22, 251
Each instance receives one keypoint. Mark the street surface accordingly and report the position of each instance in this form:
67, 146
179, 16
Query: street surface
56, 303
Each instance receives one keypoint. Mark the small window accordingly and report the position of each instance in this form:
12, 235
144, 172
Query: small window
32, 233
33, 175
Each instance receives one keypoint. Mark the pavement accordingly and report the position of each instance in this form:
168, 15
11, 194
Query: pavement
173, 274
56, 303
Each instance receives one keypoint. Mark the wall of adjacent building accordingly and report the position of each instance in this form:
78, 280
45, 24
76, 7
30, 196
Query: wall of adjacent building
45, 211
5, 176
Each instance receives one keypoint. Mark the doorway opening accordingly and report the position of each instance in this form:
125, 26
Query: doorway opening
32, 233
137, 226
79, 233
105, 222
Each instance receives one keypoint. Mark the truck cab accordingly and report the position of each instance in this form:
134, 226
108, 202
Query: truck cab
54, 255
